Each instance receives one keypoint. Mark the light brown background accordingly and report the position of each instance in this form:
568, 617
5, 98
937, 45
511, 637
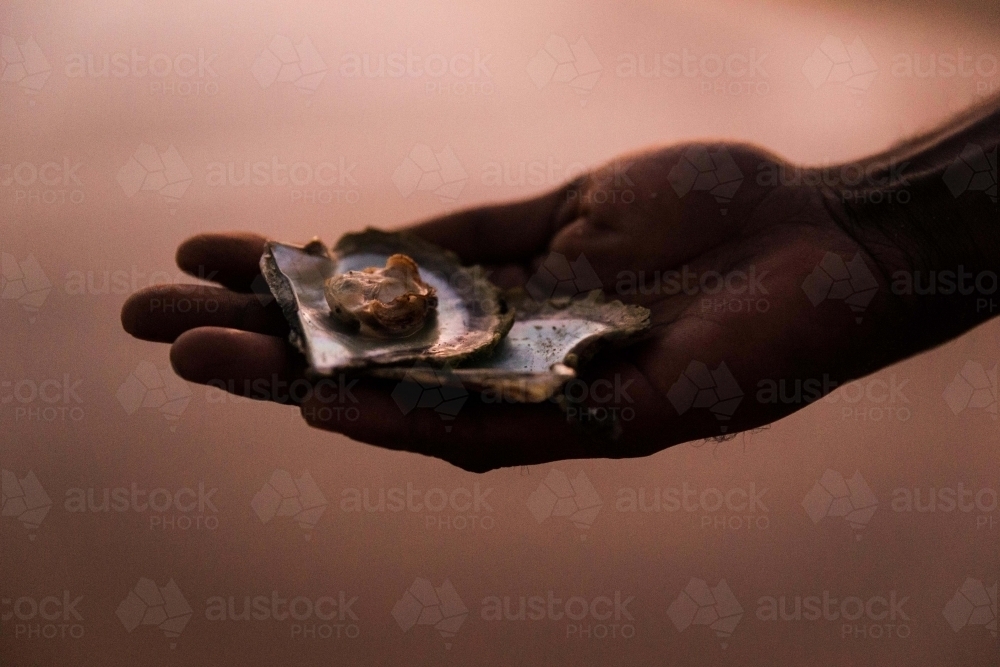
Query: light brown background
236, 446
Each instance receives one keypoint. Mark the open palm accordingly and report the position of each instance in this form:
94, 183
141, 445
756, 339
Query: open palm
722, 276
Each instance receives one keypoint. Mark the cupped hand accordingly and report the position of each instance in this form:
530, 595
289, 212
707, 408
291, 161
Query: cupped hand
723, 278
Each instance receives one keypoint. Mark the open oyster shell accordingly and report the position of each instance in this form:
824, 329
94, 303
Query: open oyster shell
548, 343
470, 318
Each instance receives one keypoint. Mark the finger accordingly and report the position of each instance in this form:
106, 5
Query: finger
504, 233
164, 312
240, 362
231, 259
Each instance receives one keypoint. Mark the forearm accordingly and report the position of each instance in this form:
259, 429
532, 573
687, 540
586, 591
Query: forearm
926, 213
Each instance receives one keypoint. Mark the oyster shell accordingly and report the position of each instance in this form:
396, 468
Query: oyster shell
470, 318
548, 343
525, 351
390, 302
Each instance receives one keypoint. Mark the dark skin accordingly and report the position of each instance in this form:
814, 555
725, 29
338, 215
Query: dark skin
779, 231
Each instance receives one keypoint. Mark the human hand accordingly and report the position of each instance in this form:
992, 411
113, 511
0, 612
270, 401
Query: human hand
633, 228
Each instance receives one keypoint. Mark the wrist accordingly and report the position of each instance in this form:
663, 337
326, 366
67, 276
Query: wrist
935, 239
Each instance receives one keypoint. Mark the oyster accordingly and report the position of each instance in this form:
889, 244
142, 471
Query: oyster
546, 347
392, 302
393, 306
469, 319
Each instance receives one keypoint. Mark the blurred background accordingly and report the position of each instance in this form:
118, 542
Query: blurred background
142, 515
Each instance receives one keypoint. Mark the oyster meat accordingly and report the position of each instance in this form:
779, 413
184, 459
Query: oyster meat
391, 302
